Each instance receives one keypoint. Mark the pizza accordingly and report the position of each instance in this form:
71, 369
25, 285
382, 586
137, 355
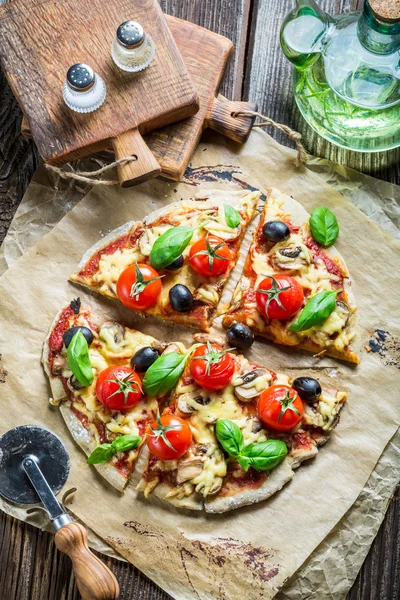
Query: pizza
95, 372
175, 263
293, 290
234, 431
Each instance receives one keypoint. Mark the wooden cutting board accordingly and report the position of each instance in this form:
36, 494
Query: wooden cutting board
205, 54
41, 39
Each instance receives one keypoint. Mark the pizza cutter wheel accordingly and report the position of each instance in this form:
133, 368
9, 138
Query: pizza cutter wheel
34, 466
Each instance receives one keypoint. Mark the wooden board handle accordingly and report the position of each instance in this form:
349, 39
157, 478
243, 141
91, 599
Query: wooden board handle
94, 580
220, 118
145, 167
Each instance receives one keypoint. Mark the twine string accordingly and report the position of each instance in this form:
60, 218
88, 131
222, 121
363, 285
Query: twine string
90, 176
301, 158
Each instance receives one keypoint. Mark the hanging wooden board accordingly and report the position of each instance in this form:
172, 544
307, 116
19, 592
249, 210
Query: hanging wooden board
40, 40
206, 55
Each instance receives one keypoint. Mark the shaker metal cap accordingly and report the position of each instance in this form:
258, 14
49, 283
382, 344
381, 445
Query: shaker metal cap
130, 34
80, 77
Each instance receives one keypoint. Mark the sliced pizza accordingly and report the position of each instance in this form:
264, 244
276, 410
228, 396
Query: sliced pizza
95, 371
175, 263
234, 431
293, 290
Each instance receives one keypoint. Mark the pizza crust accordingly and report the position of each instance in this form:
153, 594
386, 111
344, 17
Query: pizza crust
275, 481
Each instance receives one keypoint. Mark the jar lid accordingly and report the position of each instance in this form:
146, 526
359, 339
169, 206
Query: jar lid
130, 34
386, 10
80, 77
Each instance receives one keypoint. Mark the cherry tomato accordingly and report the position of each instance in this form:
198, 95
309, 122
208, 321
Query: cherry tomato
210, 256
280, 407
279, 297
212, 367
119, 388
169, 437
139, 286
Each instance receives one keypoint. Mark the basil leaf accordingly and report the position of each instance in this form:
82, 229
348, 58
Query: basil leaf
232, 217
101, 454
78, 359
123, 443
169, 246
230, 436
324, 226
163, 374
263, 456
316, 311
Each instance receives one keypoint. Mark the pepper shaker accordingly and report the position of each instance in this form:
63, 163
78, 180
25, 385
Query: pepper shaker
84, 90
132, 49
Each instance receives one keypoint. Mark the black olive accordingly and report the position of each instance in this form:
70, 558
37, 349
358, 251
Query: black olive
181, 298
308, 389
177, 264
240, 336
276, 231
143, 359
69, 334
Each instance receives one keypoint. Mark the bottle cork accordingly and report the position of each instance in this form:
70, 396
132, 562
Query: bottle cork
386, 10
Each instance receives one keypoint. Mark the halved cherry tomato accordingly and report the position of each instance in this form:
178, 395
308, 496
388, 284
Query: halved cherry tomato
139, 286
280, 407
212, 367
279, 297
119, 388
210, 256
169, 437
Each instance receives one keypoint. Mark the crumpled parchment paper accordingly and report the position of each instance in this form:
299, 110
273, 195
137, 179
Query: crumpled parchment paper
261, 163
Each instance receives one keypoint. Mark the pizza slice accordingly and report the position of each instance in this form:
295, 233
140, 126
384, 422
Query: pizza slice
95, 371
234, 431
175, 263
293, 290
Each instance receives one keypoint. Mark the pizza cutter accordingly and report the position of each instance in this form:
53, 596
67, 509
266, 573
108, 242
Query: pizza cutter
34, 466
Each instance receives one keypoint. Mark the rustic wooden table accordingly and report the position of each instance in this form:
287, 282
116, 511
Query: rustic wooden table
30, 566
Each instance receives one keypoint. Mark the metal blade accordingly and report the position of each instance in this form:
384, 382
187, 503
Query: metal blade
42, 488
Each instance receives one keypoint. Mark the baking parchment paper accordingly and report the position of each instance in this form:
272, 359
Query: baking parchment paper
256, 549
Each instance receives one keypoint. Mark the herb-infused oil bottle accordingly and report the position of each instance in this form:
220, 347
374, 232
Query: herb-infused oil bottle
347, 72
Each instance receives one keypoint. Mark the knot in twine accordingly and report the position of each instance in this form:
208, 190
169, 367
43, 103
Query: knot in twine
88, 176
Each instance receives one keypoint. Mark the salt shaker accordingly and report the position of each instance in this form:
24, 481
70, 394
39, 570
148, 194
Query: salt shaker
132, 49
84, 90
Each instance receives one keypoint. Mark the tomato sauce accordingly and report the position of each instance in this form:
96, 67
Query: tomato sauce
56, 337
126, 241
331, 266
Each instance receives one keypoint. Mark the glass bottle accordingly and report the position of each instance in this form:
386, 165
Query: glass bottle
84, 90
132, 49
347, 72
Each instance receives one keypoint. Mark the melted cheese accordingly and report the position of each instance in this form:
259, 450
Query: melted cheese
111, 267
323, 414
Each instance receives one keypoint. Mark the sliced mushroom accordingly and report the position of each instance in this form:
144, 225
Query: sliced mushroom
144, 243
113, 332
291, 257
250, 384
58, 365
203, 338
256, 426
216, 486
344, 311
189, 469
159, 346
187, 402
74, 384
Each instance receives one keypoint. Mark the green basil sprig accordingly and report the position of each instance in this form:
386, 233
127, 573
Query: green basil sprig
169, 246
262, 456
316, 311
232, 217
78, 359
163, 374
324, 226
105, 452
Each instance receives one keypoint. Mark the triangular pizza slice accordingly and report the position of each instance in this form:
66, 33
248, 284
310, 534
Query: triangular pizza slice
234, 431
175, 263
293, 290
95, 371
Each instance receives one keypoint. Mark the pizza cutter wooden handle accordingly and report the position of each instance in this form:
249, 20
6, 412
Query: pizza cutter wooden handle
144, 167
220, 118
94, 580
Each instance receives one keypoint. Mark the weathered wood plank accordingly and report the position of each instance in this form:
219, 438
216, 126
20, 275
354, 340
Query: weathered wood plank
269, 83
